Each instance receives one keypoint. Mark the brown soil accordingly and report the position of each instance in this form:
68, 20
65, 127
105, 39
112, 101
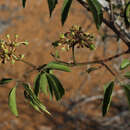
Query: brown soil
33, 24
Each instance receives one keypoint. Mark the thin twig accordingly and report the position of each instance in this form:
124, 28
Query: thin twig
53, 56
75, 64
110, 120
106, 66
29, 64
73, 55
86, 99
95, 61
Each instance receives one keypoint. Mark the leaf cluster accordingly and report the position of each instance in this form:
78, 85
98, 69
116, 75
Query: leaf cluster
44, 82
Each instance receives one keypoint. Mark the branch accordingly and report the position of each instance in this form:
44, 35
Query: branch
95, 61
110, 25
101, 62
106, 66
120, 34
84, 100
28, 63
110, 120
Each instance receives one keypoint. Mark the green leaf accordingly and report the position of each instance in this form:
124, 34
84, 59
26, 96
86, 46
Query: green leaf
57, 66
127, 75
43, 108
55, 86
50, 89
125, 63
31, 103
127, 14
127, 92
33, 98
12, 101
92, 47
40, 83
65, 10
35, 106
23, 3
5, 81
59, 85
107, 97
96, 9
43, 83
51, 5
37, 84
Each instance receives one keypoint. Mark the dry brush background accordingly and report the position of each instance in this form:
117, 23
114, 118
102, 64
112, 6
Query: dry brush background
80, 108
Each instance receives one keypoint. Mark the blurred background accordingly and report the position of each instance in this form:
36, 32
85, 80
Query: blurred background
80, 108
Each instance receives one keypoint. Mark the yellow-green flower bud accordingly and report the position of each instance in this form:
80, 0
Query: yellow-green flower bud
59, 44
8, 36
16, 36
73, 33
92, 47
62, 36
6, 51
22, 56
25, 43
12, 61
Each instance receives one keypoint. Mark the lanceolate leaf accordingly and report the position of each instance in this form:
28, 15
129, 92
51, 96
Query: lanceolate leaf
125, 63
43, 83
127, 91
5, 81
35, 106
51, 5
40, 83
96, 10
27, 96
57, 66
127, 75
50, 89
12, 101
43, 108
58, 84
33, 98
52, 86
127, 14
24, 3
37, 84
107, 97
55, 86
65, 10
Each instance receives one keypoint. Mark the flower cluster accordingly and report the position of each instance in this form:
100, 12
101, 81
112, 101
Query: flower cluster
8, 49
75, 37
